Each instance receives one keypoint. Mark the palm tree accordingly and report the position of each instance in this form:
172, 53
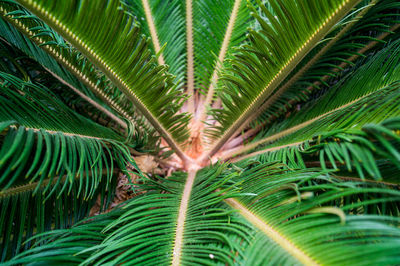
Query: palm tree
274, 126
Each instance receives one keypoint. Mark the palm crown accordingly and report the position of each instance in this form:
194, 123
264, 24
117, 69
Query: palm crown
275, 125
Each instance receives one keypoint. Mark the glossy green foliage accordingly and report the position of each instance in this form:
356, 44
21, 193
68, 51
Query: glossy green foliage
43, 36
288, 31
333, 222
142, 230
23, 60
169, 20
375, 108
345, 43
51, 167
44, 110
25, 213
122, 54
76, 70
14, 37
209, 35
369, 94
363, 151
325, 190
311, 209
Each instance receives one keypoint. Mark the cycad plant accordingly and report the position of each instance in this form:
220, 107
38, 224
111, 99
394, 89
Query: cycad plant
268, 132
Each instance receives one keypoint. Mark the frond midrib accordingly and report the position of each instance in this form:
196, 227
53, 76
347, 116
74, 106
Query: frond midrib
190, 56
52, 132
153, 30
182, 213
94, 103
221, 57
336, 69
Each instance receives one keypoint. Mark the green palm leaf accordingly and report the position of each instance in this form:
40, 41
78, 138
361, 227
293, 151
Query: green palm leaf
211, 21
273, 52
168, 18
46, 164
152, 215
73, 62
214, 40
367, 151
344, 46
25, 213
301, 217
41, 111
87, 87
271, 197
361, 98
121, 55
54, 73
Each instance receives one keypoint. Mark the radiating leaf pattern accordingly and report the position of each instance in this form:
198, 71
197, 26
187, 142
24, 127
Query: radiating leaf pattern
272, 128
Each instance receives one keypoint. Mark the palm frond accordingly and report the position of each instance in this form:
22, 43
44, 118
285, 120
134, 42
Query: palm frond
361, 149
361, 98
318, 185
288, 34
14, 58
36, 107
169, 27
220, 26
123, 55
344, 46
307, 217
362, 112
366, 151
153, 215
210, 67
44, 38
49, 171
25, 212
48, 161
19, 64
